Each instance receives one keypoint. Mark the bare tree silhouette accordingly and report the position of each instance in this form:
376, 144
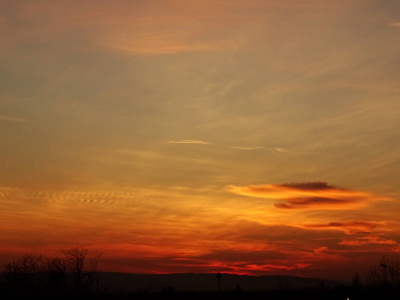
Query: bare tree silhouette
386, 274
32, 274
56, 272
22, 276
81, 268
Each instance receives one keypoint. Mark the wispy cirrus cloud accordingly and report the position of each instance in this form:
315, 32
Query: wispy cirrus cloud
395, 24
276, 149
35, 197
247, 148
281, 150
306, 195
163, 46
198, 142
244, 148
12, 119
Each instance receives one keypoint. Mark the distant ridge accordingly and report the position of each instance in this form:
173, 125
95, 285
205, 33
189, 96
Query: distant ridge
187, 282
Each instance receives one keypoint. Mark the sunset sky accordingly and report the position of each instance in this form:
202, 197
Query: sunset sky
254, 137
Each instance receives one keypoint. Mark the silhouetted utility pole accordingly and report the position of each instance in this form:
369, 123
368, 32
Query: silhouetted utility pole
219, 275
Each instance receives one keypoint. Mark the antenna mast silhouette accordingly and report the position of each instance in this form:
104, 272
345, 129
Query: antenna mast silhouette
219, 275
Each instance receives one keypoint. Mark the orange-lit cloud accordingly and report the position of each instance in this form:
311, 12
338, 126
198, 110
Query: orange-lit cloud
145, 233
366, 240
308, 195
348, 227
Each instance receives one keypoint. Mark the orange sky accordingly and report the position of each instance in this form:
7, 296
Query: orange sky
252, 137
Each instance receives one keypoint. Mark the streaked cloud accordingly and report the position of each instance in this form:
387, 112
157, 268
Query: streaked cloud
307, 195
38, 197
162, 45
367, 240
247, 148
348, 227
395, 24
12, 119
190, 142
281, 150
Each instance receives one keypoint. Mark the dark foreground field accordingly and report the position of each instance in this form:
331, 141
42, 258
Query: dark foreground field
345, 293
190, 286
339, 294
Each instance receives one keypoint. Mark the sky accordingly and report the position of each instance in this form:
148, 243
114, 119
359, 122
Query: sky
255, 137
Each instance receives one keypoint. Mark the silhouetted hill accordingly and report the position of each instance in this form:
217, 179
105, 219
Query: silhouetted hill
154, 283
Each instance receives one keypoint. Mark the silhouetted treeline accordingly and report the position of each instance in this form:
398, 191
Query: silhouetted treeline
31, 276
74, 275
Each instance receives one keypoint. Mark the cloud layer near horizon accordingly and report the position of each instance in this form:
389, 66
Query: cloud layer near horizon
164, 232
